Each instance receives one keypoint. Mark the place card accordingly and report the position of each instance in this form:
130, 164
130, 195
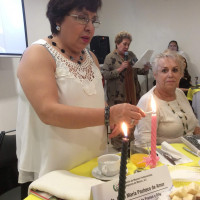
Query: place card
145, 185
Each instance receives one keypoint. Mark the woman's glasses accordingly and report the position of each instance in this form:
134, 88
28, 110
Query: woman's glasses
83, 19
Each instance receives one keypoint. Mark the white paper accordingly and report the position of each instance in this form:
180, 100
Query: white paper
148, 184
171, 150
144, 59
185, 173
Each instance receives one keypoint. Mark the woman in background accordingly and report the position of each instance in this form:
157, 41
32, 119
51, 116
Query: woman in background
121, 81
175, 117
185, 82
173, 45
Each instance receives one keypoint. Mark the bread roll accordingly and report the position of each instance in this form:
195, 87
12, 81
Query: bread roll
198, 196
176, 198
189, 197
192, 188
190, 192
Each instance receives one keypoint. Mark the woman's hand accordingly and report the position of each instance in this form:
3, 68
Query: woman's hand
147, 66
123, 66
125, 112
116, 130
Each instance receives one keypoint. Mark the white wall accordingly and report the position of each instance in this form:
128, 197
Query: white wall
152, 23
8, 94
37, 27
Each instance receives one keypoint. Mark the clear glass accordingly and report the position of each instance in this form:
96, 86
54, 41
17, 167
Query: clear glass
83, 19
138, 153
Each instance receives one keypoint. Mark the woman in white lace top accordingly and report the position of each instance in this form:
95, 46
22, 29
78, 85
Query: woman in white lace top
61, 111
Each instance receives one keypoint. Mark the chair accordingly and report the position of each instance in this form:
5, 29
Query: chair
8, 162
193, 96
196, 104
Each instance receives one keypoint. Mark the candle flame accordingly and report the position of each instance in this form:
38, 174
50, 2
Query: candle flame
124, 128
153, 104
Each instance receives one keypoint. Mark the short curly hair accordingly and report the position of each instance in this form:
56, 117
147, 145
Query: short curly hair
58, 9
122, 35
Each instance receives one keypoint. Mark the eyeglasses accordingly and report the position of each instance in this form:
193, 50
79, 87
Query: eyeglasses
83, 19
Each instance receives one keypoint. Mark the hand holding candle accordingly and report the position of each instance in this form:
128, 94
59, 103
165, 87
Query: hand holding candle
122, 176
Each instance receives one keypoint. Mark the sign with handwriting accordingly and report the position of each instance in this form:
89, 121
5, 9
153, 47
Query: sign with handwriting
145, 185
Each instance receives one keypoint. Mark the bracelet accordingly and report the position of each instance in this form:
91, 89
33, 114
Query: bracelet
107, 116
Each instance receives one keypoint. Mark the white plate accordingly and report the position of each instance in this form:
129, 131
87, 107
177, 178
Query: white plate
97, 174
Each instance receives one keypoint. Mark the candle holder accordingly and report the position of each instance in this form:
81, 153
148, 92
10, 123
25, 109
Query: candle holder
122, 175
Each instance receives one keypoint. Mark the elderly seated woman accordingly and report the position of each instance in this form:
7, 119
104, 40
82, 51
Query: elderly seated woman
175, 117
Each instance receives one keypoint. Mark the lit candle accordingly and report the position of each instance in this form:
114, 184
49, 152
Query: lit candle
122, 175
153, 133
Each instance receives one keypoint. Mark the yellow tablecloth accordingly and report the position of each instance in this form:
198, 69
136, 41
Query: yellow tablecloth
86, 168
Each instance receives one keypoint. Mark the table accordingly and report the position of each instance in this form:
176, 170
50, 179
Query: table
86, 168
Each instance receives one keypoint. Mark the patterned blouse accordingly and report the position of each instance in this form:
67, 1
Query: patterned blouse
115, 81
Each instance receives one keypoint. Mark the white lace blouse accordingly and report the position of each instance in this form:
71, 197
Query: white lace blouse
43, 148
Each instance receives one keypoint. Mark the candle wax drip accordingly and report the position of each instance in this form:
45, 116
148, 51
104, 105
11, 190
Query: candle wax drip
150, 162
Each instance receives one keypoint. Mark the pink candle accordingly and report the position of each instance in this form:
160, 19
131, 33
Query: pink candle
153, 133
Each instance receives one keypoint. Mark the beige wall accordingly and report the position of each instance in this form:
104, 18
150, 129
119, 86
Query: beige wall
153, 23
37, 27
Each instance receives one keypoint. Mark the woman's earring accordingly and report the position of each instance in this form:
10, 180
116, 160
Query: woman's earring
58, 28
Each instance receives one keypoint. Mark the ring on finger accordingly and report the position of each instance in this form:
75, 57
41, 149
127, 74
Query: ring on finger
132, 122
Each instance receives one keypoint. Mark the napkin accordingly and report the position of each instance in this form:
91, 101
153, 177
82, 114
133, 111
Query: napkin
184, 173
65, 185
172, 151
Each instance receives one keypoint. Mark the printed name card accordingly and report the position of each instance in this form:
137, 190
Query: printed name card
145, 185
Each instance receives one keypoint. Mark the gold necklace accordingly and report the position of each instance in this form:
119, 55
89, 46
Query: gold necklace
184, 124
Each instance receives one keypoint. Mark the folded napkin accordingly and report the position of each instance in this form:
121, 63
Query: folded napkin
172, 151
185, 173
65, 185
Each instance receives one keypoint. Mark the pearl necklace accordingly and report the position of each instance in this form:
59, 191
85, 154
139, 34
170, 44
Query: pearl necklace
64, 52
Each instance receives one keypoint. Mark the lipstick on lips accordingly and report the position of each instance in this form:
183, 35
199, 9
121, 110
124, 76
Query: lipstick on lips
86, 39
